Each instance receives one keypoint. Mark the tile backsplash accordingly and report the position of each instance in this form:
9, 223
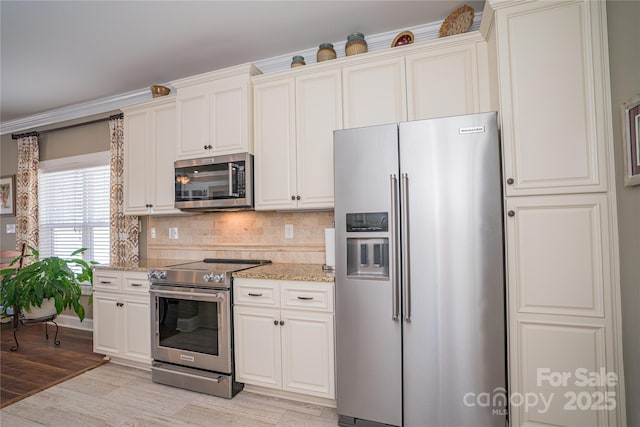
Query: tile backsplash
245, 234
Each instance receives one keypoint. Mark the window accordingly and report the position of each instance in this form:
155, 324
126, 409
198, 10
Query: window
74, 206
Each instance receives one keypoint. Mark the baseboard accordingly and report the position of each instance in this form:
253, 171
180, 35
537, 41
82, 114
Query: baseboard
321, 401
69, 321
130, 363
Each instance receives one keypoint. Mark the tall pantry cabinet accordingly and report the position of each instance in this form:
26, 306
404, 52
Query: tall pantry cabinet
562, 246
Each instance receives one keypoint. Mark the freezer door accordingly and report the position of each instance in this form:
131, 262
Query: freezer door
454, 333
368, 339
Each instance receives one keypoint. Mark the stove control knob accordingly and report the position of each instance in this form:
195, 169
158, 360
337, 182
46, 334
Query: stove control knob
213, 277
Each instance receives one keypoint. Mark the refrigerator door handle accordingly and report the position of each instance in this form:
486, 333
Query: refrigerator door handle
404, 233
394, 248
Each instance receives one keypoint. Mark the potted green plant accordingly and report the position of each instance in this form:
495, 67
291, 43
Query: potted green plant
52, 278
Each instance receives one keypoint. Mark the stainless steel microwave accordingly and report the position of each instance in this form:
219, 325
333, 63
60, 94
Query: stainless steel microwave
214, 183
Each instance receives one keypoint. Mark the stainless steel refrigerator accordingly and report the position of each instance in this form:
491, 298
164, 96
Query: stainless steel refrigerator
420, 310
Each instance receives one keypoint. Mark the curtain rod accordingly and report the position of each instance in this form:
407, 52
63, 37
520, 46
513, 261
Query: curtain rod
24, 135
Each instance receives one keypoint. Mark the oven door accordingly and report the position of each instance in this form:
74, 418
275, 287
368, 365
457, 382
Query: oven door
191, 327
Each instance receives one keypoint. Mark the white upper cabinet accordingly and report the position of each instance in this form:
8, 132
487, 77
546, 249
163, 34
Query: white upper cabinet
552, 67
149, 153
214, 113
294, 122
374, 93
443, 82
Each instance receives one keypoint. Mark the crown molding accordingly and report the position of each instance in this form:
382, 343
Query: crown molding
375, 42
76, 111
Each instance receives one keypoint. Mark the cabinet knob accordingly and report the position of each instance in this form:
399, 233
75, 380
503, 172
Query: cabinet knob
204, 146
297, 197
281, 322
511, 213
275, 322
293, 197
510, 181
119, 304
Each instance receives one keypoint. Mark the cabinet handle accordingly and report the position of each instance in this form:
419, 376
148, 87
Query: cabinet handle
510, 181
105, 282
281, 322
511, 213
275, 322
119, 304
254, 295
136, 284
305, 298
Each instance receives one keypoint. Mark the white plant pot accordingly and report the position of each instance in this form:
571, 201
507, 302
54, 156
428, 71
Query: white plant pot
47, 309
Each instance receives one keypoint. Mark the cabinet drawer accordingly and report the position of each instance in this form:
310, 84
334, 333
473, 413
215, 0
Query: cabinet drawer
138, 283
256, 292
307, 295
106, 280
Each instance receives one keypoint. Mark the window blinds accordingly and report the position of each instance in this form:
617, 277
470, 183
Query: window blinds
74, 212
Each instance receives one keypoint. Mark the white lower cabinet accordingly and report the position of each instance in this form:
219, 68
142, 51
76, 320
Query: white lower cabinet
287, 342
121, 317
561, 321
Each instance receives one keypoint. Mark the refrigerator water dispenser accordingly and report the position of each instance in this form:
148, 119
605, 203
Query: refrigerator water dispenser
368, 257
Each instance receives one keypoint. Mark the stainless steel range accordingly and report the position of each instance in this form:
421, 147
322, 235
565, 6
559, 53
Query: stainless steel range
192, 325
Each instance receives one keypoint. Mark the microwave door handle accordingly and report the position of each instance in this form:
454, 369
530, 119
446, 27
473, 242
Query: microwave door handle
232, 171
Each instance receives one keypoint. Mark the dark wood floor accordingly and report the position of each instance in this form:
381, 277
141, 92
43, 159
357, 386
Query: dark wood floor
38, 363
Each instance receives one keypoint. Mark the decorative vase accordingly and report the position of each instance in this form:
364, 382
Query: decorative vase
297, 61
47, 309
325, 52
355, 44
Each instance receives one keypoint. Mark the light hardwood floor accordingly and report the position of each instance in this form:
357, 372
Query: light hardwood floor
114, 395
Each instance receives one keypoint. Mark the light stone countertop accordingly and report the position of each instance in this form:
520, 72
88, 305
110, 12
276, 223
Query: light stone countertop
144, 264
277, 271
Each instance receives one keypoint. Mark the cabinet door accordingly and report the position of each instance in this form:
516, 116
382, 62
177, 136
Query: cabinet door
193, 123
275, 157
552, 96
258, 346
308, 353
137, 163
318, 114
560, 321
163, 143
106, 324
374, 93
229, 116
136, 339
442, 82
557, 250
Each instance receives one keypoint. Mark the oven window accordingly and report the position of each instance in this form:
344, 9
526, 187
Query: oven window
189, 325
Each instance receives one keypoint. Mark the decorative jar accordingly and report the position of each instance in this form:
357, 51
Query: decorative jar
297, 61
325, 52
355, 44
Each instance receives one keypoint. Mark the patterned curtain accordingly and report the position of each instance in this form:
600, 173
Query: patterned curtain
124, 229
27, 192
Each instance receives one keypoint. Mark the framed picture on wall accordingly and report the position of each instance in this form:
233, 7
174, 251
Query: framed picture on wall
631, 138
8, 195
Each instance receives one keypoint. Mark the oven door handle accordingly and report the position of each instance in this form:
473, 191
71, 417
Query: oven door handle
215, 296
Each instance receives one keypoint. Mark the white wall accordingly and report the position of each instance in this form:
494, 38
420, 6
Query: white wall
623, 22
